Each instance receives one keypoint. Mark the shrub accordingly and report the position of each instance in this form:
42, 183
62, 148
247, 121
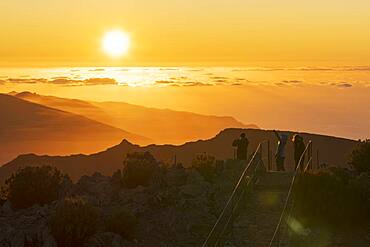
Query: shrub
335, 198
122, 222
360, 157
73, 222
206, 165
139, 169
33, 185
116, 178
2, 201
2, 195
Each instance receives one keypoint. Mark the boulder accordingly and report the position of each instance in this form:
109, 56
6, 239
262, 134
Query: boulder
193, 190
175, 177
194, 177
26, 228
47, 239
106, 239
116, 179
65, 188
97, 189
7, 208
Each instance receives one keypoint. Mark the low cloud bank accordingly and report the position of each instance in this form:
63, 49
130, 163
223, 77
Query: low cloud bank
62, 81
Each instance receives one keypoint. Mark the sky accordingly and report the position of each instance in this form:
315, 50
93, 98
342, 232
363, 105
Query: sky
178, 32
298, 65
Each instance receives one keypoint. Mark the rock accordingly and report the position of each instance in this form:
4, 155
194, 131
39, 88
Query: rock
97, 189
141, 198
138, 189
26, 227
178, 210
48, 239
106, 239
7, 208
192, 190
66, 187
116, 179
18, 239
123, 197
196, 186
27, 235
194, 177
175, 177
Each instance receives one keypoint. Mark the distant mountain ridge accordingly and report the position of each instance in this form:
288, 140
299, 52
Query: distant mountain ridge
162, 126
333, 151
29, 127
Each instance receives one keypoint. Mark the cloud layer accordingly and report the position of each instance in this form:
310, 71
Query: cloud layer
340, 77
62, 81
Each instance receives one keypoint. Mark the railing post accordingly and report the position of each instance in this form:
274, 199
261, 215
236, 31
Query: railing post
310, 156
261, 150
317, 159
268, 156
214, 238
311, 166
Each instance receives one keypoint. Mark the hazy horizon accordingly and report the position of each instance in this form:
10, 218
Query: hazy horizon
322, 100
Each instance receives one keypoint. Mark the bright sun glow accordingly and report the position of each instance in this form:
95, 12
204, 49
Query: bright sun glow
116, 43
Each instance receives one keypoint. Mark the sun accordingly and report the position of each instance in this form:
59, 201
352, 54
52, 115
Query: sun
116, 43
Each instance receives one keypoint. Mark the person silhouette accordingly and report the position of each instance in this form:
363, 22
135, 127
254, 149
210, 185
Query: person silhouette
280, 151
299, 148
241, 145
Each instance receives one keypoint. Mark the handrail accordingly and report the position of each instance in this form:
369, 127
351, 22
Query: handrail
228, 211
287, 200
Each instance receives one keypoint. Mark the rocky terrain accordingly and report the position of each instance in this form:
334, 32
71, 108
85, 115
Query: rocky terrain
178, 208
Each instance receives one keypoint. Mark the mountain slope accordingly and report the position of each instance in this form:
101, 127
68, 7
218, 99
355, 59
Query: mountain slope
29, 127
160, 125
333, 151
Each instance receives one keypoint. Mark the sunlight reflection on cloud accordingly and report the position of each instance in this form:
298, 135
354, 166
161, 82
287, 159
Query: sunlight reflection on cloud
344, 77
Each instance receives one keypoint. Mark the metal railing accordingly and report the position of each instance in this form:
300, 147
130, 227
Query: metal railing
281, 227
247, 178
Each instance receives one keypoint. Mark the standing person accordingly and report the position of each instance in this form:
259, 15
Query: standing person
280, 151
299, 148
241, 145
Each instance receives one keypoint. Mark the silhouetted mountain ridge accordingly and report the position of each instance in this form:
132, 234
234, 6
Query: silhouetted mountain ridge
162, 126
333, 151
30, 127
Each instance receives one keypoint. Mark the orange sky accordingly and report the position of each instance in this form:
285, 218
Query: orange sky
177, 32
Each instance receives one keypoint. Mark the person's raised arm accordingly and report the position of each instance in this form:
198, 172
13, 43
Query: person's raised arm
277, 135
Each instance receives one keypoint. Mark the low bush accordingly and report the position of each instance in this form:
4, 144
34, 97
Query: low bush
33, 185
206, 165
2, 201
122, 222
139, 169
360, 157
335, 198
73, 222
3, 195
